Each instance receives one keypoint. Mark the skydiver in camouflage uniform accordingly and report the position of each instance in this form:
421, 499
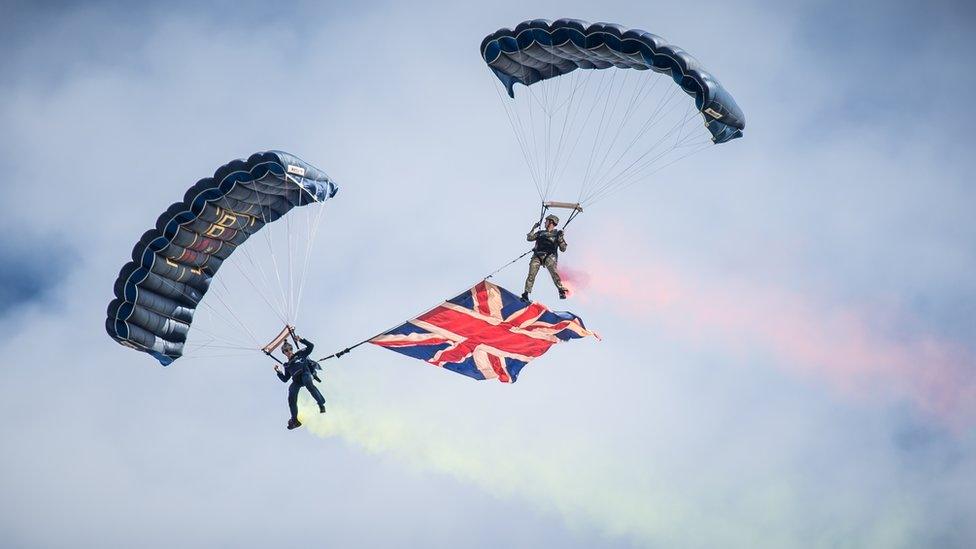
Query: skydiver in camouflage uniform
548, 244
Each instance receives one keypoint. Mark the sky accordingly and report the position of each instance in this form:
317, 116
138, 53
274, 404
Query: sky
787, 320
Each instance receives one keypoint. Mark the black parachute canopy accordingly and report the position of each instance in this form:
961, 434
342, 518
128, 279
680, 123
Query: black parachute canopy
173, 264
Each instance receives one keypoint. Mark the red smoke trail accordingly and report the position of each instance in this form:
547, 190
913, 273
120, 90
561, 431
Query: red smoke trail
842, 347
574, 280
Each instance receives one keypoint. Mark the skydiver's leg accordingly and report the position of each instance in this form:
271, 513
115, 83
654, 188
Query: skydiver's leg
551, 267
534, 265
314, 391
293, 398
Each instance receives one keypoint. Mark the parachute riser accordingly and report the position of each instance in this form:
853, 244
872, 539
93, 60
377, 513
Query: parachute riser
577, 209
277, 342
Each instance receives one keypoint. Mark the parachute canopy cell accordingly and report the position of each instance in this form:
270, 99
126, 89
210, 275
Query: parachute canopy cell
538, 50
156, 294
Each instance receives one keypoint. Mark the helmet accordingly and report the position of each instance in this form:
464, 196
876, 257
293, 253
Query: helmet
552, 218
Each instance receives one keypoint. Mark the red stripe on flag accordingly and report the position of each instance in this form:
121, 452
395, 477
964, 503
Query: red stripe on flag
496, 364
481, 298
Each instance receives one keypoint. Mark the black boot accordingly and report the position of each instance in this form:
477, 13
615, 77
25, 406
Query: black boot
525, 297
293, 423
562, 293
321, 408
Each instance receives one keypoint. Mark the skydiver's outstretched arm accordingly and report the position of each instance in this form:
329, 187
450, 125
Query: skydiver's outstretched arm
281, 375
532, 234
305, 350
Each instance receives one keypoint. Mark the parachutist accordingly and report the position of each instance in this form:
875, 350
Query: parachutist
300, 370
548, 244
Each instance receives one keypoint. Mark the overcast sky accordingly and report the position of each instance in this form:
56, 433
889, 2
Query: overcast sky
787, 319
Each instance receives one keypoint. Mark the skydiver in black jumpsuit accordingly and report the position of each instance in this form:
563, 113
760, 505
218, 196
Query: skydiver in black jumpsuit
300, 370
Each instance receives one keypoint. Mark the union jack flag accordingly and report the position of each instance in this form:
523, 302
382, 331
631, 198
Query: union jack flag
486, 332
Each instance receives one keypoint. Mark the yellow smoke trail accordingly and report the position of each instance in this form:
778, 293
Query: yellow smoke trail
621, 494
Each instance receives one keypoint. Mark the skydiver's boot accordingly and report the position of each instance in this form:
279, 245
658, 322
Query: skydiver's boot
293, 423
562, 293
321, 408
525, 297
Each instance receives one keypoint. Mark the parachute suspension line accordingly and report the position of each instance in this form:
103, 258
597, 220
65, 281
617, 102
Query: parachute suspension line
579, 82
518, 130
638, 89
290, 277
214, 337
286, 296
534, 135
589, 114
553, 90
223, 355
556, 159
233, 314
260, 293
698, 147
544, 100
622, 147
648, 124
600, 92
530, 148
635, 171
195, 348
266, 279
274, 261
297, 282
240, 321
563, 109
313, 233
599, 131
546, 120
562, 134
211, 309
610, 121
596, 189
533, 152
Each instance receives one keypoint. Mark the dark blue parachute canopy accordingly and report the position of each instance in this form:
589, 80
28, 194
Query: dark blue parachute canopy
538, 50
172, 265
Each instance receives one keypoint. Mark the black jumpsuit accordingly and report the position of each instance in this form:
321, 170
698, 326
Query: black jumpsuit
299, 370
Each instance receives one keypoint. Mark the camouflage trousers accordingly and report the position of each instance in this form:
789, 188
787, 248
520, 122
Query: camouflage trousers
535, 263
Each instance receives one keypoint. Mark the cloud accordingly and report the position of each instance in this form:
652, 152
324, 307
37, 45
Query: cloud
32, 266
696, 420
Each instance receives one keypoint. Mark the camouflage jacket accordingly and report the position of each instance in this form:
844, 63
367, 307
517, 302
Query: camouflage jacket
547, 242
